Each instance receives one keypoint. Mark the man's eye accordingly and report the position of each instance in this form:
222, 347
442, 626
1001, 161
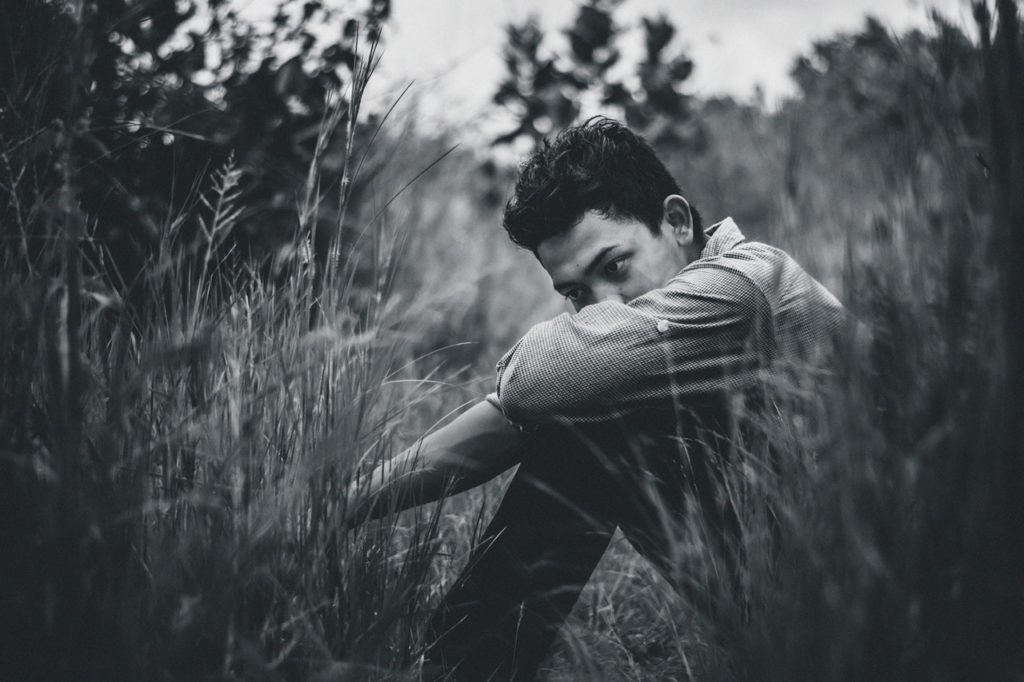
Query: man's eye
572, 294
616, 266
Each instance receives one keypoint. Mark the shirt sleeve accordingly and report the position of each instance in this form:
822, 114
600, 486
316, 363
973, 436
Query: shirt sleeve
526, 427
699, 335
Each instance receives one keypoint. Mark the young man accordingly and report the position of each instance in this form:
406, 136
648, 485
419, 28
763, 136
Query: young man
615, 414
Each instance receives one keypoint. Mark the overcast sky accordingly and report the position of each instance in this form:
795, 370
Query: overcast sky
452, 48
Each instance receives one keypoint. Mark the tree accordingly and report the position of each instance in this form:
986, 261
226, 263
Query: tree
144, 98
543, 89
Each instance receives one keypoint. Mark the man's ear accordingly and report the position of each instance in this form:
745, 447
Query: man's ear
677, 219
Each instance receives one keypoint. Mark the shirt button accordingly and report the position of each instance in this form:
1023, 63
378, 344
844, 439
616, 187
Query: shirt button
662, 326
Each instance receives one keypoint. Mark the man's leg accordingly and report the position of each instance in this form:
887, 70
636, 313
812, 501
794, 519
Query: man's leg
681, 487
549, 532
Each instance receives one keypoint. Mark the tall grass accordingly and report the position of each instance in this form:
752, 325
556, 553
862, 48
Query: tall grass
883, 543
175, 461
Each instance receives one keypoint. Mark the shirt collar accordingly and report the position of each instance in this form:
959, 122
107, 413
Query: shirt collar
721, 237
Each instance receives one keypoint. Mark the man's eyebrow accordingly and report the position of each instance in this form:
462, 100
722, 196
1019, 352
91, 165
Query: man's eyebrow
594, 262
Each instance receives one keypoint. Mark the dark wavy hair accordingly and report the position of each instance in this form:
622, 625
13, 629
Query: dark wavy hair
599, 166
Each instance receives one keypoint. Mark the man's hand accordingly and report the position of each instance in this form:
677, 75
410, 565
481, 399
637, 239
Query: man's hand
474, 448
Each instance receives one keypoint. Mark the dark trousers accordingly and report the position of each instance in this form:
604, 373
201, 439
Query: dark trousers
572, 489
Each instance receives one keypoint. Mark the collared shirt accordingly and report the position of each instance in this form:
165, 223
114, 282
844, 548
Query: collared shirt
740, 308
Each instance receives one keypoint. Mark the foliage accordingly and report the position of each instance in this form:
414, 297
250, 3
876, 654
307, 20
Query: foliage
152, 95
173, 487
875, 113
880, 543
544, 90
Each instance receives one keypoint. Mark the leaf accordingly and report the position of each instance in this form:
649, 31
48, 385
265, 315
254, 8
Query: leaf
658, 33
617, 94
288, 76
681, 68
592, 29
310, 8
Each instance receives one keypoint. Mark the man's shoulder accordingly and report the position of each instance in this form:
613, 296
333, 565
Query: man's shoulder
709, 291
767, 268
743, 257
740, 270
729, 256
761, 277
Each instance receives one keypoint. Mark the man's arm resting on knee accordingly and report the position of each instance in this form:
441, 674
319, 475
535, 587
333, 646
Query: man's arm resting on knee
474, 448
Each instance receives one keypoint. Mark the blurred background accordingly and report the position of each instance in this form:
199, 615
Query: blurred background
252, 247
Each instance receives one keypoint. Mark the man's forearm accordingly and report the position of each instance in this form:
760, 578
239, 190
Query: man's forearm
478, 445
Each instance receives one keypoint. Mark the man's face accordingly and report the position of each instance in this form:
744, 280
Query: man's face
604, 259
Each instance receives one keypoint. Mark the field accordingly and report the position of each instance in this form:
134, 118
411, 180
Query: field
180, 424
